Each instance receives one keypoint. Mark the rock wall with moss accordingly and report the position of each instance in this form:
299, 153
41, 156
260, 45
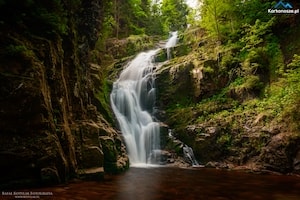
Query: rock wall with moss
236, 109
51, 122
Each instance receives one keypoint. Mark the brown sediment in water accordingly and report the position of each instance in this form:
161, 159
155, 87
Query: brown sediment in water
178, 183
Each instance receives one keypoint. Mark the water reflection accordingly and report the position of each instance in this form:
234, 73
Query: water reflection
175, 183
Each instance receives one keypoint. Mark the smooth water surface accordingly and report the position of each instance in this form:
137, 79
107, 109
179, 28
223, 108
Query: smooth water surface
176, 183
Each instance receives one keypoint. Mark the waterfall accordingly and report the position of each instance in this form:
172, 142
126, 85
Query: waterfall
189, 155
132, 101
188, 152
171, 43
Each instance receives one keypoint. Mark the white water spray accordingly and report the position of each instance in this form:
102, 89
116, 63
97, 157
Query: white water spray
171, 43
132, 100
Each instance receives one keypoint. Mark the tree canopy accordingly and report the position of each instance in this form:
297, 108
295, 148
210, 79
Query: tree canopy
134, 17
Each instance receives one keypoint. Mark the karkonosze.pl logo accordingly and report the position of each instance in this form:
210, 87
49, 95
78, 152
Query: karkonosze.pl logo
283, 8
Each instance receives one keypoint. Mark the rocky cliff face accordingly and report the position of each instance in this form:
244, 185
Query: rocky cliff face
50, 128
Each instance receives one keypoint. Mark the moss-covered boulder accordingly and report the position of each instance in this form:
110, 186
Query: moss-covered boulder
114, 160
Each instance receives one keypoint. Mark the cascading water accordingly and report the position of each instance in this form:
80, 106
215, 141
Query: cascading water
132, 100
189, 155
171, 43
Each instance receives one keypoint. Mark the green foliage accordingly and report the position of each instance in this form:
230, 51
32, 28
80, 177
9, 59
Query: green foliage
212, 12
253, 35
249, 11
174, 14
14, 50
145, 16
223, 19
103, 96
130, 17
295, 62
39, 17
263, 90
155, 23
250, 82
225, 141
107, 29
291, 113
276, 59
18, 51
208, 69
53, 21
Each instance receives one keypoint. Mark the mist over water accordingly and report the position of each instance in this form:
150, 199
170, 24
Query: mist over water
171, 43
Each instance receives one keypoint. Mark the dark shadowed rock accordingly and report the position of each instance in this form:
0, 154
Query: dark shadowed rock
50, 119
50, 176
281, 153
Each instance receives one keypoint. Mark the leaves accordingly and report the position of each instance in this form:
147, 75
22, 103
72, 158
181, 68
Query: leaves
254, 34
174, 13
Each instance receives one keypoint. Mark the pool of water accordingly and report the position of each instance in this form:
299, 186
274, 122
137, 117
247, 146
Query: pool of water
177, 183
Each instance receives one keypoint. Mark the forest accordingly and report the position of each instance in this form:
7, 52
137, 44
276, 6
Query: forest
248, 83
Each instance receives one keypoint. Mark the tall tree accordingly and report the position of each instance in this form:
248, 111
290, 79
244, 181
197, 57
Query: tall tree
130, 17
155, 22
214, 16
226, 17
174, 13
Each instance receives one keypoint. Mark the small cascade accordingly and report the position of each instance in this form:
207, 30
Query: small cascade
188, 152
189, 155
171, 43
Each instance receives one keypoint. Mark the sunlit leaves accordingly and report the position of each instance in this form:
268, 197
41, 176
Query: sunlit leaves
174, 13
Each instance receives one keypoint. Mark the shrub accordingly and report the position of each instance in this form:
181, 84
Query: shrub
295, 62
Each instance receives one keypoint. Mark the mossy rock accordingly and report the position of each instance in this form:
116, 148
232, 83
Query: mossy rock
161, 56
109, 149
92, 157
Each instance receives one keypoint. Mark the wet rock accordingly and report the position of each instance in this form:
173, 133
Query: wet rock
203, 139
174, 79
161, 56
202, 43
121, 48
92, 173
279, 154
49, 121
189, 155
92, 157
115, 158
296, 163
109, 149
219, 165
160, 157
50, 176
